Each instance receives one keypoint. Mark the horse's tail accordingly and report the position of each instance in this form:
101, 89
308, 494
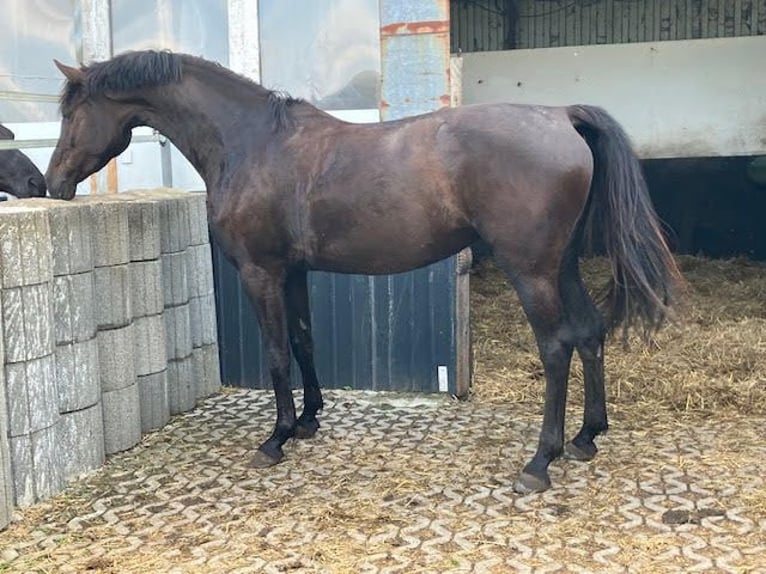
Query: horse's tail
645, 279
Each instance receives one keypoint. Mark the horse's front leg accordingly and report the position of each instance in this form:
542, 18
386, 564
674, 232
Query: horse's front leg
266, 290
299, 326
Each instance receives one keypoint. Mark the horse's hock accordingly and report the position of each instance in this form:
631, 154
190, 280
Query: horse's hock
108, 328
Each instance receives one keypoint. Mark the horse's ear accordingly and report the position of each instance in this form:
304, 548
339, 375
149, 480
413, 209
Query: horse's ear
72, 74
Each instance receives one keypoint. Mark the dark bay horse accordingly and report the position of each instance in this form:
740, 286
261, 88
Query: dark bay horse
19, 177
291, 189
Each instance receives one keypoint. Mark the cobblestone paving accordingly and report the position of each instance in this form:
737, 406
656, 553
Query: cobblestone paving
405, 484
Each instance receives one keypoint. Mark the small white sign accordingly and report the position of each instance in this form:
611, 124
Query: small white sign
443, 376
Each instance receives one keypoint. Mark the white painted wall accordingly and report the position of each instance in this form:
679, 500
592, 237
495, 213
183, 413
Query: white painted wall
690, 98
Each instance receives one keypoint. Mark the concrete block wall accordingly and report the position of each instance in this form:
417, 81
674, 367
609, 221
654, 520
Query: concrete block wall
108, 328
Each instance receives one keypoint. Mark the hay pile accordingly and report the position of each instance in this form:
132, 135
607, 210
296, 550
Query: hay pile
712, 361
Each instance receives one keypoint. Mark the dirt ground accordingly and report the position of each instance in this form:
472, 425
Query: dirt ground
406, 483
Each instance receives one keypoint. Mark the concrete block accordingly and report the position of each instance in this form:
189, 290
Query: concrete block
70, 228
200, 270
175, 231
81, 437
113, 301
25, 246
175, 278
182, 390
6, 477
115, 358
178, 332
155, 408
36, 462
27, 322
109, 231
74, 316
202, 314
32, 395
149, 345
143, 229
78, 377
122, 419
207, 370
146, 289
198, 224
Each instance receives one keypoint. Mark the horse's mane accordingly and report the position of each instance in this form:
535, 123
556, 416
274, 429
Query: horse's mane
150, 68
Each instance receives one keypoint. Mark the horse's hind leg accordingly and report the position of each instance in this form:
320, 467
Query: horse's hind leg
266, 290
589, 332
299, 325
540, 298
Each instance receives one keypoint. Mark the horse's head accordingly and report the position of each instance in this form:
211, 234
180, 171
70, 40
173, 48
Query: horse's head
94, 129
19, 177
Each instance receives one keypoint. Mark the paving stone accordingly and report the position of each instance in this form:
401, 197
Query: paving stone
175, 278
146, 290
32, 395
207, 370
74, 315
70, 230
153, 393
113, 301
36, 464
78, 376
149, 345
81, 437
198, 224
110, 237
144, 229
25, 246
122, 419
202, 315
115, 356
200, 270
27, 322
178, 331
182, 388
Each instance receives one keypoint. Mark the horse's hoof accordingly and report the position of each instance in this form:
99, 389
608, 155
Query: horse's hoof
528, 483
581, 453
306, 429
263, 460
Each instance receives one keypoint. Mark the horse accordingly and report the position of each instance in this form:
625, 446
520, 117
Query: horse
19, 177
291, 189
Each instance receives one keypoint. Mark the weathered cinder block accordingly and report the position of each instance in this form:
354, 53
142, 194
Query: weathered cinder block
200, 270
207, 370
113, 302
32, 396
25, 246
70, 230
178, 332
175, 278
6, 477
204, 328
81, 438
27, 322
149, 345
182, 389
78, 375
198, 223
122, 419
74, 316
146, 288
143, 229
115, 357
110, 237
36, 463
153, 393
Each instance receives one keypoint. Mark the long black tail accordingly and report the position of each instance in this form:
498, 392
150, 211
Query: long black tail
645, 279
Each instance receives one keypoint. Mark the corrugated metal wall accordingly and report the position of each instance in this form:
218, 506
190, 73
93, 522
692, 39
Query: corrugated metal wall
483, 25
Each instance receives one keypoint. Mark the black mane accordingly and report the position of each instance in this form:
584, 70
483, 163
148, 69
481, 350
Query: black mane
149, 68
